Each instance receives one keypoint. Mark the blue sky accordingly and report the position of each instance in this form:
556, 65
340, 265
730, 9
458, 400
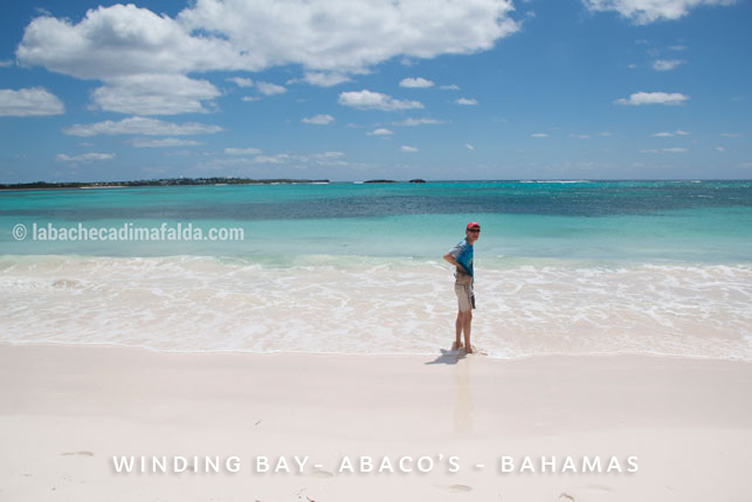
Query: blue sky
362, 89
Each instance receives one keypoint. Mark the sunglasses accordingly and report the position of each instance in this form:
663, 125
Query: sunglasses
474, 230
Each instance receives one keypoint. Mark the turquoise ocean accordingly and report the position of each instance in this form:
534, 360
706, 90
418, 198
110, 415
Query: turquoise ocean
567, 267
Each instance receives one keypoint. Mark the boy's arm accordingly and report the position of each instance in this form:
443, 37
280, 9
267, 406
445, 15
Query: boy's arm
448, 257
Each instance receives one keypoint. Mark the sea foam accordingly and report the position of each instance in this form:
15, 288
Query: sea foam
371, 305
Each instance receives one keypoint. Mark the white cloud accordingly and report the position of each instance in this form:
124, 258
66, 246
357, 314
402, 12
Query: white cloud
345, 35
5, 63
154, 95
605, 134
142, 58
329, 39
325, 79
241, 82
418, 122
720, 149
326, 158
539, 135
452, 87
409, 149
653, 98
242, 151
279, 158
141, 125
326, 155
466, 102
368, 100
648, 11
666, 150
380, 132
318, 120
671, 134
579, 136
732, 135
469, 146
268, 89
84, 158
416, 83
31, 102
321, 159
124, 40
667, 64
250, 99
164, 143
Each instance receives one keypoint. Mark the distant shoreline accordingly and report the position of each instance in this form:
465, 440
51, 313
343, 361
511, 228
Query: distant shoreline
44, 185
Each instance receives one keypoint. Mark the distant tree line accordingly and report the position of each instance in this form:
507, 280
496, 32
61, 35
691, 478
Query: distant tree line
42, 185
149, 183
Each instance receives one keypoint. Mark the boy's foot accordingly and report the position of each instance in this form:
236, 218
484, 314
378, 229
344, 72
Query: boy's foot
469, 350
457, 346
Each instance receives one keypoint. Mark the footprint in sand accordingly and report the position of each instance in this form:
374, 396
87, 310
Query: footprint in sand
591, 490
598, 488
317, 473
455, 488
77, 453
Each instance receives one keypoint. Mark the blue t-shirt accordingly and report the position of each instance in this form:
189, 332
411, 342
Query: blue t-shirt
463, 254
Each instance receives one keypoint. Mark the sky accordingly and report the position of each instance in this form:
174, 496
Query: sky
366, 89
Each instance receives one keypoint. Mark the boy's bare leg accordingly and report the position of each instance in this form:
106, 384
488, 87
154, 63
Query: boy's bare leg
458, 325
467, 321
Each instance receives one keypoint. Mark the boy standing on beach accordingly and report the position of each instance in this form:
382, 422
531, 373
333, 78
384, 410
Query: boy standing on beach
461, 256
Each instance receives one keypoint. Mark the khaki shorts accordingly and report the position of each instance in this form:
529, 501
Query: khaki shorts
465, 296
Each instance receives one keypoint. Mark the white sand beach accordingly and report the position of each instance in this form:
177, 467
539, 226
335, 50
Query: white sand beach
66, 411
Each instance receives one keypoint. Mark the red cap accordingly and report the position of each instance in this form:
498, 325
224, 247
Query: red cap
472, 224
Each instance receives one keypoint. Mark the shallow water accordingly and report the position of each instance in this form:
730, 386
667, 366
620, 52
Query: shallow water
567, 268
